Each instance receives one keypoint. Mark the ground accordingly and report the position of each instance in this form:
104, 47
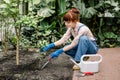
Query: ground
109, 68
30, 67
59, 68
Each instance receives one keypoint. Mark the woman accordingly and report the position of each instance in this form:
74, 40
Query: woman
83, 42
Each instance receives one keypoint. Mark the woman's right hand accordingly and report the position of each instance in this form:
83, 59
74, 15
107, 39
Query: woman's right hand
46, 48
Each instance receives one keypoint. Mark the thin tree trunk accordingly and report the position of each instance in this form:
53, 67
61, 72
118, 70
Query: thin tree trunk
17, 51
17, 37
4, 38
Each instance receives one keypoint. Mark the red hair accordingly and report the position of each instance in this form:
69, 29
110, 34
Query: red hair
72, 15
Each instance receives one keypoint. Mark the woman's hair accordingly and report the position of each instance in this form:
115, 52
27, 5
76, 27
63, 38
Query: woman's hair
72, 15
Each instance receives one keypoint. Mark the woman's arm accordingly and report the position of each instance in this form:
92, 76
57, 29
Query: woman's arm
65, 37
81, 32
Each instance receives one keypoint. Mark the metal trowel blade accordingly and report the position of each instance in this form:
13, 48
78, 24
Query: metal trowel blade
45, 64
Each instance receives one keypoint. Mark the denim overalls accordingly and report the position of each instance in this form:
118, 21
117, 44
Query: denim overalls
84, 46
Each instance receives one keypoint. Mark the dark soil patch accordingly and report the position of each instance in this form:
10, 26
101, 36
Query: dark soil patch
30, 67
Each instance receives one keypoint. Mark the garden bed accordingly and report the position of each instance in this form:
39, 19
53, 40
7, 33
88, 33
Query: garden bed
30, 67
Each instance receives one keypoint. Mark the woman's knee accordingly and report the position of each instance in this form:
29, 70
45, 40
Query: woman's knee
83, 38
70, 54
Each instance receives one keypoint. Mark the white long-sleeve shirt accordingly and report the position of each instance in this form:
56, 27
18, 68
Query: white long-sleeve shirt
76, 33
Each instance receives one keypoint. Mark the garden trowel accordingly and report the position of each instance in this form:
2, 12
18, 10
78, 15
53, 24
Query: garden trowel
43, 66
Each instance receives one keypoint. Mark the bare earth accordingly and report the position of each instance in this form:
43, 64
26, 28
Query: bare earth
30, 67
59, 68
109, 67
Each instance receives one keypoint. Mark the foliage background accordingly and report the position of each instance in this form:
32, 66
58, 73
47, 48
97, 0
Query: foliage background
41, 20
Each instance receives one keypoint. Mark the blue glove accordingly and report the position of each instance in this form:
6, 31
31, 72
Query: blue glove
46, 48
56, 53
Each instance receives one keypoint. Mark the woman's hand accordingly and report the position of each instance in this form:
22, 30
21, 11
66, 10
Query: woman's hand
46, 48
56, 53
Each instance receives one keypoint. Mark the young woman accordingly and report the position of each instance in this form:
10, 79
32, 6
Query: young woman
83, 42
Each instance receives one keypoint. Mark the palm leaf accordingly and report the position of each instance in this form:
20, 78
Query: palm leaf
62, 6
45, 12
89, 12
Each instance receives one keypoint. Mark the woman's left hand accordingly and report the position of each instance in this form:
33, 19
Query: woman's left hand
56, 53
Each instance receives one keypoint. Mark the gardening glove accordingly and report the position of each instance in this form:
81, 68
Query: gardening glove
46, 48
56, 53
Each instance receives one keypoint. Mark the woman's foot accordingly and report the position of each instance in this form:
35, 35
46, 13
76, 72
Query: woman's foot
75, 67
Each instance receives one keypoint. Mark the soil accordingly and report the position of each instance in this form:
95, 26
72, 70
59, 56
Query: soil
30, 67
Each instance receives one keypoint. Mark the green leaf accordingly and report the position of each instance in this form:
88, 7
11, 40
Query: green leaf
101, 36
45, 12
110, 35
114, 28
14, 11
3, 6
90, 12
14, 40
62, 6
118, 39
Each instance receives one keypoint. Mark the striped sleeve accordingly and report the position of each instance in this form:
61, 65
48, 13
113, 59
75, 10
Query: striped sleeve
81, 32
64, 38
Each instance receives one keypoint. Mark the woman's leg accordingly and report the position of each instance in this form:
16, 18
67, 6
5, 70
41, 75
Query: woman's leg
72, 52
85, 46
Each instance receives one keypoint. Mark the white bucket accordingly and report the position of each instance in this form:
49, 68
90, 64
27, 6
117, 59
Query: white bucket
89, 66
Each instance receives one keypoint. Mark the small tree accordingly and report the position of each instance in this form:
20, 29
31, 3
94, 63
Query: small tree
11, 9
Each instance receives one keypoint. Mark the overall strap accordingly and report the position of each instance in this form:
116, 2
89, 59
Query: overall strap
80, 27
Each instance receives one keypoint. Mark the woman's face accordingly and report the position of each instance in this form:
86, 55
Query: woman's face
70, 24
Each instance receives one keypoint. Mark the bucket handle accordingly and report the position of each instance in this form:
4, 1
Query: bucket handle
92, 55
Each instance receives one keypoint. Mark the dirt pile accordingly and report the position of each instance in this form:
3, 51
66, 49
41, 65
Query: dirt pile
30, 67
